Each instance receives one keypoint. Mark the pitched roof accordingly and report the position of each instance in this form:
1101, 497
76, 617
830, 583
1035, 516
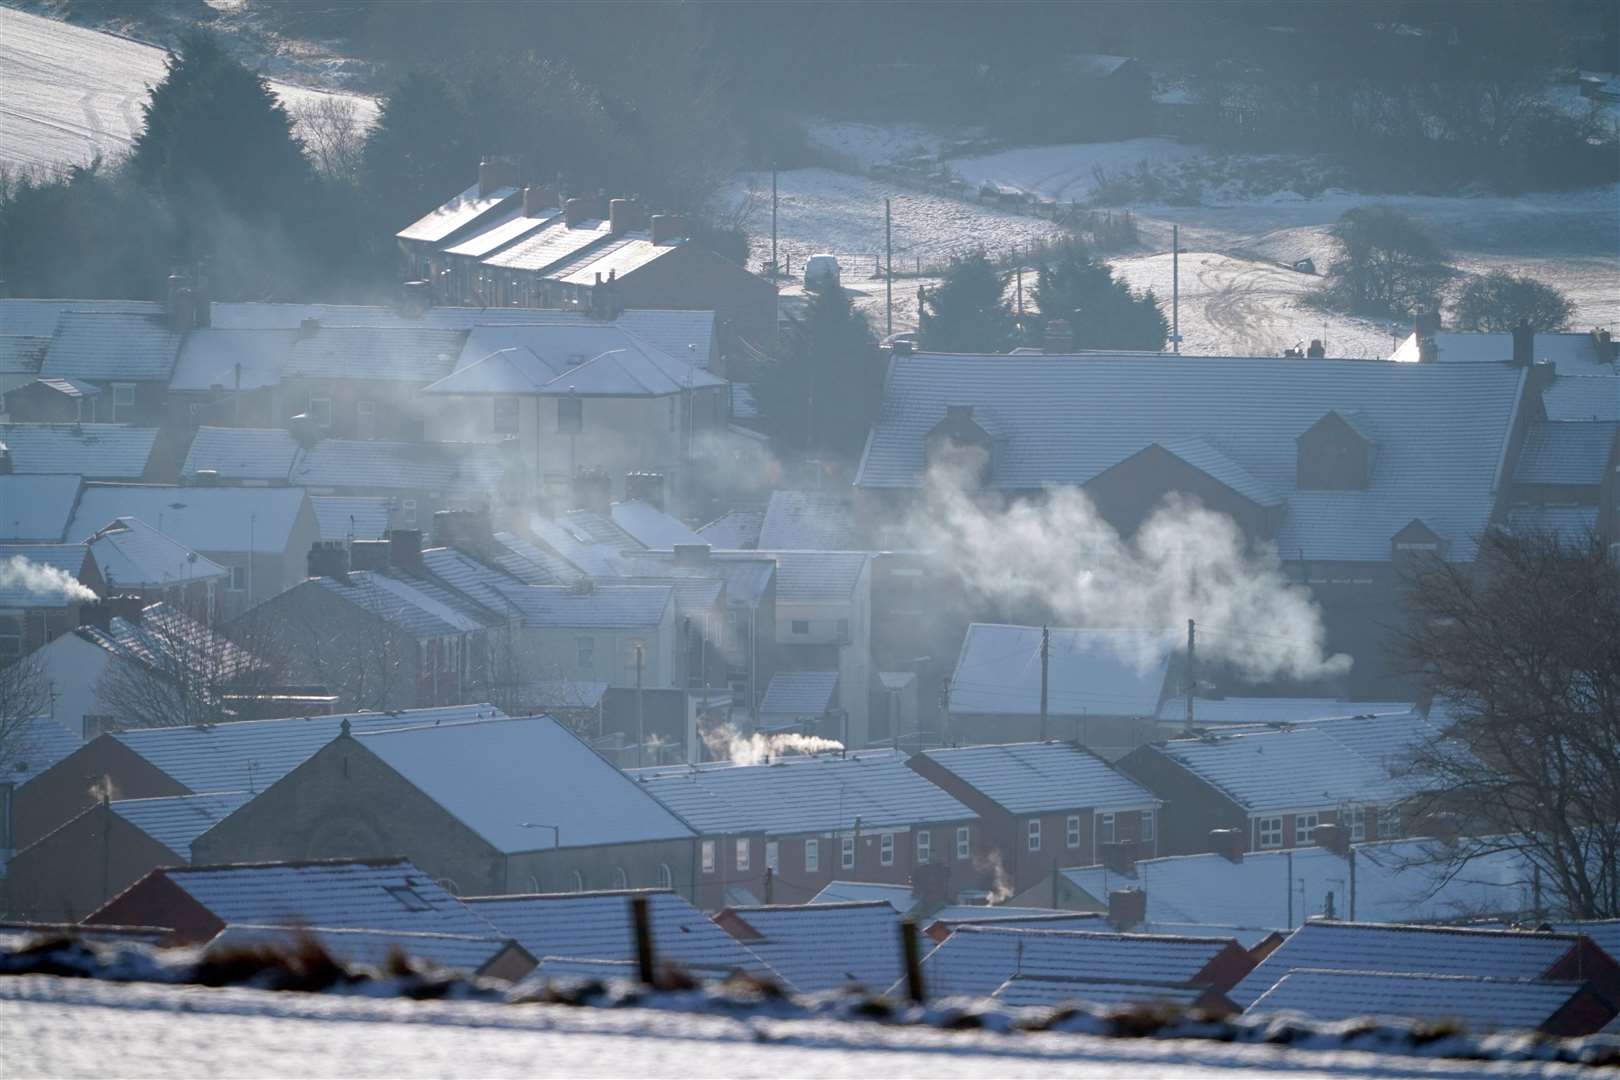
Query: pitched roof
1280, 710
619, 256
466, 471
204, 519
975, 960
225, 359
37, 507
176, 820
165, 638
32, 746
809, 521
1203, 455
813, 577
628, 607
1479, 1004
1571, 524
16, 591
1433, 950
132, 554
1559, 452
347, 517
596, 925
823, 946
747, 579
508, 229
803, 795
1582, 397
112, 346
459, 952
899, 897
800, 694
1570, 353
1058, 420
568, 356
500, 776
1604, 932
1089, 672
651, 526
382, 894
441, 223
253, 754
1033, 778
242, 453
101, 451
549, 245
77, 388
22, 354
38, 318
734, 529
416, 606
416, 354
685, 335
1045, 991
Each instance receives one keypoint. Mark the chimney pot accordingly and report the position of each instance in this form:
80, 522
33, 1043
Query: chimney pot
328, 559
1127, 908
1524, 344
667, 228
1227, 843
405, 548
1059, 337
1317, 350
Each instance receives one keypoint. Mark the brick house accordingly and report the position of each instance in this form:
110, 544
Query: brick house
31, 618
1046, 804
780, 832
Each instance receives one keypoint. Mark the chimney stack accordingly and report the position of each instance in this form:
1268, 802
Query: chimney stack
1058, 338
1524, 344
1127, 908
1317, 350
593, 490
576, 212
101, 613
624, 215
645, 486
537, 200
1603, 341
495, 174
667, 228
1119, 858
308, 328
470, 529
405, 548
1227, 843
329, 559
1426, 323
1333, 837
1428, 351
369, 554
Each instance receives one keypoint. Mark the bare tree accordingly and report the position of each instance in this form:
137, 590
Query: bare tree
356, 653
24, 694
333, 135
1522, 652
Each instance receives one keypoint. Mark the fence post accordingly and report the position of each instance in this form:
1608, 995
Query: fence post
641, 919
913, 961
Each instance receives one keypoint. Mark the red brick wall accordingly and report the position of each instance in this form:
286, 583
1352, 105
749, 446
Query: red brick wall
156, 901
80, 866
63, 791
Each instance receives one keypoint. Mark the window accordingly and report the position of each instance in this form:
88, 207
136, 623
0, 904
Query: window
666, 876
1304, 829
1071, 831
847, 854
1389, 823
742, 853
11, 633
506, 416
585, 647
812, 856
123, 401
365, 413
886, 849
1034, 834
320, 411
843, 629
964, 845
407, 512
801, 626
1107, 831
621, 880
708, 856
773, 854
925, 844
238, 579
1147, 825
409, 898
1357, 817
1270, 829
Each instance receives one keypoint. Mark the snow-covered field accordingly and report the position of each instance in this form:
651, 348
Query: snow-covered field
1065, 172
68, 93
85, 1028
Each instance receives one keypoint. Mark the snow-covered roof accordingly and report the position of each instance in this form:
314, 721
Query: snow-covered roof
441, 223
33, 745
1396, 881
1063, 420
37, 507
596, 926
528, 561
458, 952
204, 519
165, 638
975, 960
747, 579
1203, 455
1571, 354
416, 606
1582, 397
898, 897
1478, 1004
800, 694
64, 558
465, 470
619, 256
214, 358
22, 354
253, 754
500, 777
803, 794
685, 335
242, 453
1251, 710
953, 916
812, 577
1035, 778
176, 820
1604, 932
547, 246
349, 517
1570, 523
508, 229
76, 388
1431, 950
734, 529
1047, 991
1089, 672
98, 451
132, 554
413, 354
1563, 452
381, 894
551, 357
823, 946
600, 607
112, 346
809, 521
651, 526
473, 578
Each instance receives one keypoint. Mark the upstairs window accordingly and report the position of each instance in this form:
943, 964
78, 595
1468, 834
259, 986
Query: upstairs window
1071, 831
886, 849
1106, 829
1034, 828
925, 847
964, 843
708, 856
1305, 829
1270, 832
847, 853
812, 856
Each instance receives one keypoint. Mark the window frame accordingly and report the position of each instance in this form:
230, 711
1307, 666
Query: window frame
1357, 820
799, 627
238, 579
706, 855
1305, 835
118, 406
1071, 831
925, 846
886, 849
745, 854
1268, 832
1147, 826
773, 856
320, 411
964, 843
1032, 834
1108, 827
666, 876
846, 853
812, 856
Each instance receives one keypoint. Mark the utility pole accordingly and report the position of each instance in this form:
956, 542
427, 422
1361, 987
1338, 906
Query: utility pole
640, 734
775, 266
1192, 670
888, 268
1175, 288
1020, 273
1046, 652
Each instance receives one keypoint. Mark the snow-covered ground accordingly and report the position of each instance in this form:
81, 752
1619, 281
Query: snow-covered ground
1065, 172
85, 1028
872, 144
68, 93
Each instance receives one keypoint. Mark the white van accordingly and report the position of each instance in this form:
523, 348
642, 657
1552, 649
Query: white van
820, 271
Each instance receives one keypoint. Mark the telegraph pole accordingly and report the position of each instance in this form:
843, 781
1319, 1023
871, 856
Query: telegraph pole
1192, 670
640, 734
888, 268
1175, 288
1046, 652
775, 266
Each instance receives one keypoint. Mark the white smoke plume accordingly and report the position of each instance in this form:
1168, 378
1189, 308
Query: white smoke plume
39, 580
1185, 562
1001, 889
726, 742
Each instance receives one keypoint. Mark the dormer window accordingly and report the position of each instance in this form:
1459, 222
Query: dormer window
1417, 541
957, 443
1336, 454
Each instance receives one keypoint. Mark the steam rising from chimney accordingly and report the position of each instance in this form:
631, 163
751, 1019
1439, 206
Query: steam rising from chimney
40, 580
725, 741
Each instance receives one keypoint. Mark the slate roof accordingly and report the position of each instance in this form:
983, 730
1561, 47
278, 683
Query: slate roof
734, 529
685, 335
809, 521
499, 776
441, 223
34, 745
813, 577
414, 354
1203, 455
508, 229
465, 470
38, 506
548, 246
1604, 932
1089, 672
22, 354
975, 960
603, 607
1478, 1004
1430, 950
418, 607
99, 451
209, 359
1281, 710
1030, 991
1570, 353
458, 952
1064, 419
1571, 524
65, 558
596, 926
620, 255
898, 897
176, 820
382, 894
650, 526
132, 554
38, 318
204, 519
824, 946
1582, 397
1036, 778
1567, 452
77, 388
477, 580
242, 453
747, 579
164, 638
112, 347
801, 794
253, 754
528, 561
800, 693
563, 356
344, 517
952, 918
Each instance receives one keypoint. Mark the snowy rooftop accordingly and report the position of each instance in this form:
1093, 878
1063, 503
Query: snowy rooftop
823, 946
1572, 524
36, 507
1033, 778
507, 230
414, 354
176, 820
1090, 672
602, 607
561, 356
204, 519
33, 746
464, 470
112, 345
1582, 397
351, 517
417, 606
1052, 990
499, 777
812, 577
99, 451
734, 529
620, 256
1567, 452
549, 245
132, 554
899, 897
212, 358
809, 521
1572, 354
440, 224
242, 453
650, 526
460, 952
1479, 1004
800, 694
